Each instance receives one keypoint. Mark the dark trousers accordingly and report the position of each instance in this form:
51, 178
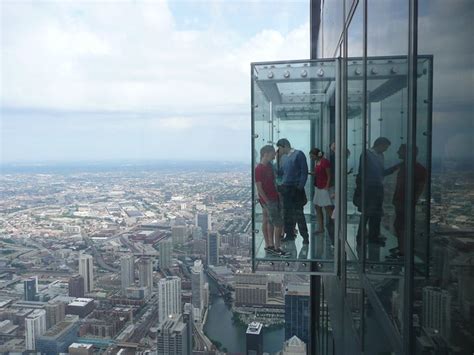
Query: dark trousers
293, 211
373, 213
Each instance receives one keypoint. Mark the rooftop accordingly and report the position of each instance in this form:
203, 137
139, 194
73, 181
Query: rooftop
254, 328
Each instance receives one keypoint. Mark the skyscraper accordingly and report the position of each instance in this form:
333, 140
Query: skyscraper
76, 286
35, 325
57, 339
145, 273
297, 313
203, 220
169, 297
213, 249
188, 320
172, 337
29, 289
437, 311
178, 234
254, 339
251, 289
197, 285
127, 271
86, 270
166, 248
55, 313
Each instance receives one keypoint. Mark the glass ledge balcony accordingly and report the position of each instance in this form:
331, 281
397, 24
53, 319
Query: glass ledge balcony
313, 104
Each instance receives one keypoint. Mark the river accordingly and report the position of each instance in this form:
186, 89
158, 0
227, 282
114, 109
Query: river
219, 327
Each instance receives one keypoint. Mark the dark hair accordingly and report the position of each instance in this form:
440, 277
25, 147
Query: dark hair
316, 151
283, 142
382, 141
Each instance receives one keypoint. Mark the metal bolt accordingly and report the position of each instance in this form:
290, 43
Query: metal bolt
320, 72
286, 74
304, 73
373, 71
394, 70
357, 71
255, 136
270, 75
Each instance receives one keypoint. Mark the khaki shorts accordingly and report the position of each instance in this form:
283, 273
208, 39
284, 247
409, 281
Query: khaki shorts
274, 212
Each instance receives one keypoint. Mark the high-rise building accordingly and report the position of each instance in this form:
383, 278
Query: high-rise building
30, 289
437, 310
86, 270
145, 273
205, 294
178, 234
203, 220
57, 339
251, 289
294, 346
76, 286
127, 271
35, 325
166, 249
385, 276
169, 297
80, 307
55, 313
172, 337
297, 311
188, 320
197, 285
213, 248
254, 337
196, 233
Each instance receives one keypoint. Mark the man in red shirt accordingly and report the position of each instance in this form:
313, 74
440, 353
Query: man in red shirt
399, 197
272, 223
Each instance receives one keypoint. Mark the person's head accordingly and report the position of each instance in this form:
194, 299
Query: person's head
402, 151
284, 146
381, 144
267, 153
316, 154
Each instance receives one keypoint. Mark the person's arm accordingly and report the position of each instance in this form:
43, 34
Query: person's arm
303, 167
392, 169
328, 173
261, 193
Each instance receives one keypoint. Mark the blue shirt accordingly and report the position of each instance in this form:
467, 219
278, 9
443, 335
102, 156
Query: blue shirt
294, 169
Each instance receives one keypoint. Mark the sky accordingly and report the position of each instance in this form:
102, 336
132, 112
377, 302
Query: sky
146, 80
170, 80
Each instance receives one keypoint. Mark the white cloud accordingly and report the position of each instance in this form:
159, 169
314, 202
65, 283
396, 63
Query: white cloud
128, 56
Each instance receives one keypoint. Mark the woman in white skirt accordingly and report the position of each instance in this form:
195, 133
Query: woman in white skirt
322, 183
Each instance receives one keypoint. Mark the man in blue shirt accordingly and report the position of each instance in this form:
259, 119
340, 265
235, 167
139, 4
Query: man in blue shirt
374, 190
293, 172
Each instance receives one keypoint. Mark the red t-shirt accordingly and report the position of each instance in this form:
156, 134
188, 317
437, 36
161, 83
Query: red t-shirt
321, 176
265, 175
420, 182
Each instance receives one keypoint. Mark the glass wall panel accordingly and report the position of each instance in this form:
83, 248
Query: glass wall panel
354, 291
376, 340
387, 108
355, 123
293, 101
332, 17
445, 32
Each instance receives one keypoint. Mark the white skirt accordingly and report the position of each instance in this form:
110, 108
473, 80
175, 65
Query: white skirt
322, 198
